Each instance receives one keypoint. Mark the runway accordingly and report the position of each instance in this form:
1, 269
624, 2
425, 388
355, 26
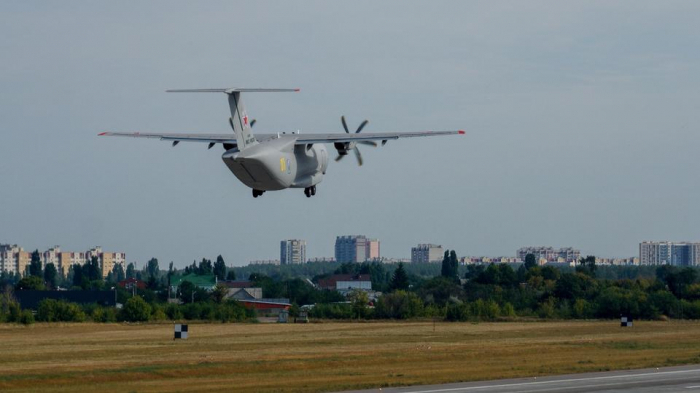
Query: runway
669, 379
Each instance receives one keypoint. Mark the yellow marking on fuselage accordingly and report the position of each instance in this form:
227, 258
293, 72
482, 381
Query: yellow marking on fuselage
283, 164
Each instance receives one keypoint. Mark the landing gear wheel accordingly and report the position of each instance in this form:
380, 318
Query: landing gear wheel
307, 192
313, 190
257, 193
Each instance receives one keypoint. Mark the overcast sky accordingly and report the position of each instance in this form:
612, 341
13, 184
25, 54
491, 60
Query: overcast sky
581, 118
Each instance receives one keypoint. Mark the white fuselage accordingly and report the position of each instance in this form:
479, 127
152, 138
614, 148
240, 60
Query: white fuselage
276, 164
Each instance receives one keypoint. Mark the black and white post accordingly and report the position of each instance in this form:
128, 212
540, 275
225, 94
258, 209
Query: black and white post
180, 332
626, 322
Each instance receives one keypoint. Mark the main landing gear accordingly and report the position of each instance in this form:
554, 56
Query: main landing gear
308, 191
257, 193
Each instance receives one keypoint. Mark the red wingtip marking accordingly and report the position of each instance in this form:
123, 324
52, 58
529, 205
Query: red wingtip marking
461, 132
297, 89
102, 133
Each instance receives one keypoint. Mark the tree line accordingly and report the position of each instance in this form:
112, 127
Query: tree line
446, 291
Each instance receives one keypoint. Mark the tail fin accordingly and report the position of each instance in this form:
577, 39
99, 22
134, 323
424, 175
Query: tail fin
239, 120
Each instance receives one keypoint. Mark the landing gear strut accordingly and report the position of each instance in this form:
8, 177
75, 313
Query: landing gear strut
309, 191
257, 193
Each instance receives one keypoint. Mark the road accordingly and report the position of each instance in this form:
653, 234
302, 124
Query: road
669, 379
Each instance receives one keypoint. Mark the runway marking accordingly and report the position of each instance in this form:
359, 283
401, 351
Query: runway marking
692, 387
556, 381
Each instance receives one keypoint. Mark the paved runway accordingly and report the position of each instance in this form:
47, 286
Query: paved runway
670, 379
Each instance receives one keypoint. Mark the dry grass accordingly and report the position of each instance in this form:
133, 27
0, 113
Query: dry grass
323, 357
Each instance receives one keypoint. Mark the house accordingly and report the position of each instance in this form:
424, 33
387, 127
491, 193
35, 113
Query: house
242, 290
345, 283
205, 281
131, 283
267, 306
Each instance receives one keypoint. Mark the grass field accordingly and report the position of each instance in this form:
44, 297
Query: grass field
325, 357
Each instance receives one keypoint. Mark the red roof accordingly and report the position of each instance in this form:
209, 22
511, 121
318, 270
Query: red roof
132, 281
330, 282
264, 305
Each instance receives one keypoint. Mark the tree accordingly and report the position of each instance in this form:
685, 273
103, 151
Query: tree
186, 290
78, 276
231, 275
218, 295
587, 266
118, 272
220, 268
400, 279
50, 275
136, 310
530, 261
399, 305
35, 265
450, 265
130, 270
359, 300
152, 268
205, 267
92, 270
30, 283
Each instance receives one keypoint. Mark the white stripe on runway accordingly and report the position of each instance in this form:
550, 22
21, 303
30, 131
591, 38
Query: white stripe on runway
660, 373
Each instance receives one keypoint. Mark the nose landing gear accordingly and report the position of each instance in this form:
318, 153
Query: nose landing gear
257, 193
309, 191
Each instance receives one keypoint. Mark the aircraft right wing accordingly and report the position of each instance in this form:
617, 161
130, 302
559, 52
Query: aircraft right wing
366, 136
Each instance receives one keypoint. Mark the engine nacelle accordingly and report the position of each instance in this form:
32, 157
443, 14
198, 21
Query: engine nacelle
342, 148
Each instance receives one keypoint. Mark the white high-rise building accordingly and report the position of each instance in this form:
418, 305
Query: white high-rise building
357, 248
292, 251
427, 253
669, 253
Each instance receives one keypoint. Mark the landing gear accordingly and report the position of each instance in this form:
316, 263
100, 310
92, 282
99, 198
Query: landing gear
257, 193
309, 191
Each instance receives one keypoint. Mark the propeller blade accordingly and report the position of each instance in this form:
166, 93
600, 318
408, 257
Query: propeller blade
368, 143
358, 155
345, 125
339, 158
362, 125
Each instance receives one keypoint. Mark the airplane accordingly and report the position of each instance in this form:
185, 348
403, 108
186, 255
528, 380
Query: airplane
271, 162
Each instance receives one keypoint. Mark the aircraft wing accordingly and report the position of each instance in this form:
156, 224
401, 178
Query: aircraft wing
365, 136
301, 139
210, 138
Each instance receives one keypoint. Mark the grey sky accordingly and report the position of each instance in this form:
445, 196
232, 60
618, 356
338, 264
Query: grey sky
581, 117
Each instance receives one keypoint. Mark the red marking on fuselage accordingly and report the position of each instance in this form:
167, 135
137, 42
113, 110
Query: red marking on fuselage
461, 132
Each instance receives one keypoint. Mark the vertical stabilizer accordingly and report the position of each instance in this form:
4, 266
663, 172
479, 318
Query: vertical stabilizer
240, 122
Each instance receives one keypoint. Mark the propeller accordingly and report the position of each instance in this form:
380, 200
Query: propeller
343, 148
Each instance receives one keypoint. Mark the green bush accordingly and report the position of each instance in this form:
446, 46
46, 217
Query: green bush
136, 310
172, 311
104, 314
332, 311
14, 312
399, 305
51, 310
157, 313
27, 318
457, 312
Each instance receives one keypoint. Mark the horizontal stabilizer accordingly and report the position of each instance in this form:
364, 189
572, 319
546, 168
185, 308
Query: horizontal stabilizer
231, 90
